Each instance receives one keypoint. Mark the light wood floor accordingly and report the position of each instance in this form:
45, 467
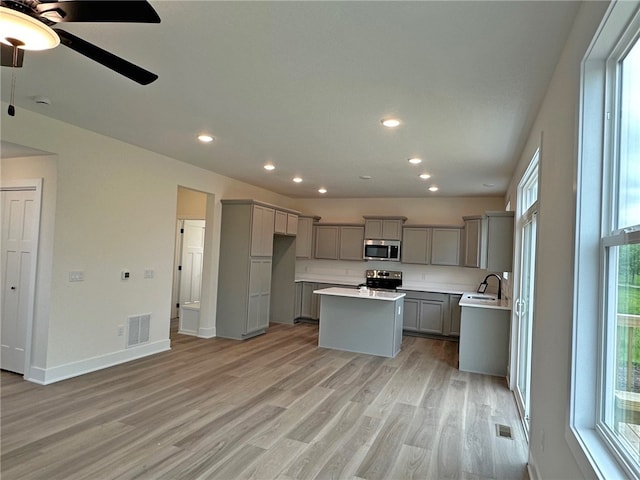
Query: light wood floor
271, 407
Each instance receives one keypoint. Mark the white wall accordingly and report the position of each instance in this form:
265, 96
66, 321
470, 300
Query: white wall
115, 208
557, 121
427, 210
44, 167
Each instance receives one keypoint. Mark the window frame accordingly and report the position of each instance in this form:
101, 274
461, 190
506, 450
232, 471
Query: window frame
591, 442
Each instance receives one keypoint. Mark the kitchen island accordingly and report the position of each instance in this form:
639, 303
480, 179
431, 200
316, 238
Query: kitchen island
361, 320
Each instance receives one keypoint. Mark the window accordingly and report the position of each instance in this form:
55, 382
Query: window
605, 391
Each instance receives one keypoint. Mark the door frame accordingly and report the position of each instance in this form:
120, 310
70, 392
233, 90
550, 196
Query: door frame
31, 184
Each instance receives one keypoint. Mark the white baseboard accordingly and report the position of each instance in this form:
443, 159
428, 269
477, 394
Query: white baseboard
208, 332
188, 332
532, 470
74, 369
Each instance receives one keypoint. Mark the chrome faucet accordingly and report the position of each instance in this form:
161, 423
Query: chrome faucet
484, 282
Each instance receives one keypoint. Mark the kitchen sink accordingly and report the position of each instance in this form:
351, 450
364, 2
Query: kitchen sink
481, 297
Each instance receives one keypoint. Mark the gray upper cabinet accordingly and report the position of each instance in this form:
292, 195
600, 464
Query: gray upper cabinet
431, 245
471, 257
339, 242
351, 243
305, 237
262, 225
445, 246
383, 228
416, 245
327, 242
489, 241
285, 223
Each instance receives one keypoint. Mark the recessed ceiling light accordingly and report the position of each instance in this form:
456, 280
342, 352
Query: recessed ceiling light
415, 161
204, 138
390, 122
365, 177
433, 189
322, 190
269, 166
297, 179
425, 176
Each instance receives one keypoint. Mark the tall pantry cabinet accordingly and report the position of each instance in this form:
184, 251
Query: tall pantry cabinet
244, 285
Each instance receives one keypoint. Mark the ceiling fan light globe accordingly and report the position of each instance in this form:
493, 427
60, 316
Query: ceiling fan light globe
32, 33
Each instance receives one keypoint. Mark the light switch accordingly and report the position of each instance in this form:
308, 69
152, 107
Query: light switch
149, 273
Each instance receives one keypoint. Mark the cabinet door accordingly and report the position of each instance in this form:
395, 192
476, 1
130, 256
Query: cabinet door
280, 225
411, 314
445, 246
431, 316
351, 243
497, 242
262, 227
416, 245
292, 224
308, 307
327, 242
472, 243
373, 228
297, 309
259, 295
304, 237
454, 311
392, 229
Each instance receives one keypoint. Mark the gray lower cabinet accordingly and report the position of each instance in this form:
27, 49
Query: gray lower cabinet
259, 296
425, 312
454, 312
431, 313
309, 303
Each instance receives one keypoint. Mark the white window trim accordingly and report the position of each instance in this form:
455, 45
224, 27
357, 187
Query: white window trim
593, 455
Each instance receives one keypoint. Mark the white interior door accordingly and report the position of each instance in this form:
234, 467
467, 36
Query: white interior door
192, 256
20, 222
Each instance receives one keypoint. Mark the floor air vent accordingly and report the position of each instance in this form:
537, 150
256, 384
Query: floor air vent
138, 329
503, 431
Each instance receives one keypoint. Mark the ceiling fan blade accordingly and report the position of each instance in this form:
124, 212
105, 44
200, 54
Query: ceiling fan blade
136, 11
109, 60
7, 56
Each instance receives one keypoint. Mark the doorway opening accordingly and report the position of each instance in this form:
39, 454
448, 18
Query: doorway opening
19, 241
189, 260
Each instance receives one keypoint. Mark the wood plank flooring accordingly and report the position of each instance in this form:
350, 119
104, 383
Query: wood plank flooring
272, 407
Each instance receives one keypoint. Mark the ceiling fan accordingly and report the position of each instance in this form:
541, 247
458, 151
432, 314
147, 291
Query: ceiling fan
32, 25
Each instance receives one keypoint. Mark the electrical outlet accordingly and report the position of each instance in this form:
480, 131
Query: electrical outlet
120, 330
125, 275
76, 276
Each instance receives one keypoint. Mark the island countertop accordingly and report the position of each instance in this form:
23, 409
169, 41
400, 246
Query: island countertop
361, 293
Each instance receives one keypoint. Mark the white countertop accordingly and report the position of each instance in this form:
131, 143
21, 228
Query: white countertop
479, 300
367, 294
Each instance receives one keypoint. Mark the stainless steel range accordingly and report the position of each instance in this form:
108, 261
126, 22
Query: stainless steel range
383, 279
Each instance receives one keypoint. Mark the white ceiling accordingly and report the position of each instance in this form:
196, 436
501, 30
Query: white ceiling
305, 84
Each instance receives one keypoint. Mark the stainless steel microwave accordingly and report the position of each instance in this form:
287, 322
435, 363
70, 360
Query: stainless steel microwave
382, 250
